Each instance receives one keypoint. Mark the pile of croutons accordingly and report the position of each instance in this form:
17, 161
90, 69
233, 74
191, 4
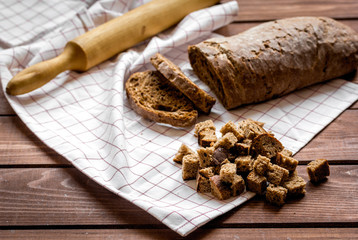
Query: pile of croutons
245, 157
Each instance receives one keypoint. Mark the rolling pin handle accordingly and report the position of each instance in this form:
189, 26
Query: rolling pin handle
39, 74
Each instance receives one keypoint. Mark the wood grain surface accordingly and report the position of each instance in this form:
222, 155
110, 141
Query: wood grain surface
336, 142
261, 10
52, 196
42, 196
163, 234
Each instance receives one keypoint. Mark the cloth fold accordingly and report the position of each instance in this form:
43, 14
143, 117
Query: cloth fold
86, 118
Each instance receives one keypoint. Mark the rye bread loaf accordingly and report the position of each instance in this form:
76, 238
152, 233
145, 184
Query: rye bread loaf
202, 100
153, 97
275, 58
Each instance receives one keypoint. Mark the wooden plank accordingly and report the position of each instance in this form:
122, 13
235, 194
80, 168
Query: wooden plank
354, 106
163, 234
235, 28
20, 146
337, 142
260, 10
55, 197
5, 108
329, 203
62, 196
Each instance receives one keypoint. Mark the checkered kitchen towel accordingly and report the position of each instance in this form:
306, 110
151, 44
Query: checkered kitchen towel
86, 117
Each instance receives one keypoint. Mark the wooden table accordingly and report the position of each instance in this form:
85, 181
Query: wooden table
42, 196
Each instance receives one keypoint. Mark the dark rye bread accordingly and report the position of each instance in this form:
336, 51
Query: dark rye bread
154, 98
275, 58
203, 101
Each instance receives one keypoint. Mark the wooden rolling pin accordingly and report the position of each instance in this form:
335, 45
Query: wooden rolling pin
107, 40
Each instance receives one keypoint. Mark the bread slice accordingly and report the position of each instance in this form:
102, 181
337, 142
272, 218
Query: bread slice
203, 101
154, 98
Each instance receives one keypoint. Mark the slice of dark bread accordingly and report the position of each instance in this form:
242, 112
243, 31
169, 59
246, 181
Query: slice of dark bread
154, 98
203, 101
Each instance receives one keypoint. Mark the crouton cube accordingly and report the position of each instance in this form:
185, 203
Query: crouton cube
256, 183
190, 166
202, 184
205, 155
207, 172
227, 141
219, 189
266, 145
261, 165
295, 185
251, 128
318, 170
202, 179
286, 162
241, 149
183, 150
207, 138
228, 172
238, 185
286, 152
244, 164
276, 174
220, 154
231, 127
208, 124
276, 195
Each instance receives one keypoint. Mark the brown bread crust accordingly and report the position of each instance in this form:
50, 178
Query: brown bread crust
275, 58
203, 101
152, 96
